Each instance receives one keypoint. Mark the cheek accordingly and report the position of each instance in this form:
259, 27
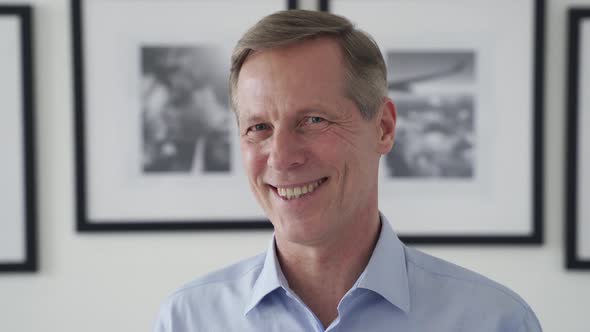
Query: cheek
335, 150
252, 159
355, 163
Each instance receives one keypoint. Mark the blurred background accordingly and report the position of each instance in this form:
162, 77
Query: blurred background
116, 281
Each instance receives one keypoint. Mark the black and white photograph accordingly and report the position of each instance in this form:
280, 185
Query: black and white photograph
185, 109
156, 142
577, 175
469, 99
18, 251
435, 95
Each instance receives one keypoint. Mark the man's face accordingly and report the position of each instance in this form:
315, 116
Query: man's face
311, 159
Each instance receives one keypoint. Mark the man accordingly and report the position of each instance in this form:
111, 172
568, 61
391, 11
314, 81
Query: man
309, 93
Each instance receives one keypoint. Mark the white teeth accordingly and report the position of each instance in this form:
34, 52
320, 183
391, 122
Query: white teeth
296, 192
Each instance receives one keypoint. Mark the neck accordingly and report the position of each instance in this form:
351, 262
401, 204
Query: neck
320, 275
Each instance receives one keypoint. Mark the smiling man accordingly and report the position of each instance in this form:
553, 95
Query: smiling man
309, 93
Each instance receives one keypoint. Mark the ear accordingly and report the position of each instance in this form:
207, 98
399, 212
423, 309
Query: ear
386, 117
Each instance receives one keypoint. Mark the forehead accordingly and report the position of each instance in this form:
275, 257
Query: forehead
306, 72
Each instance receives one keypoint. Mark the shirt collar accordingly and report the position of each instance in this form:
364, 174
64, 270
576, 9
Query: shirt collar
386, 273
270, 278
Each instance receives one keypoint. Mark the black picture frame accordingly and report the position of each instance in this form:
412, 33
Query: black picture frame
534, 199
23, 160
577, 148
86, 221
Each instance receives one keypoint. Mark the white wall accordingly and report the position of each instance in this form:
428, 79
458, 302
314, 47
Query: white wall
114, 282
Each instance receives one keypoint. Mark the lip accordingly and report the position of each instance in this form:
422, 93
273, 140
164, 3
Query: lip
287, 186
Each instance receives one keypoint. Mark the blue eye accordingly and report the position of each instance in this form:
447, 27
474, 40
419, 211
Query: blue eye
315, 119
259, 127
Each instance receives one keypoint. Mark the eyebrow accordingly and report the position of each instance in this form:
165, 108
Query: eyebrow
317, 110
250, 119
326, 107
314, 108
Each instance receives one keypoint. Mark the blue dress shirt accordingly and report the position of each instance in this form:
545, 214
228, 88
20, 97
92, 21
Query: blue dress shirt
401, 289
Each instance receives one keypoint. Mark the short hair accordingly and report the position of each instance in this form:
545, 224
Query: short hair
365, 72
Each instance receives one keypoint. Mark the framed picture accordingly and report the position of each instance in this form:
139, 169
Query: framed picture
578, 141
18, 251
466, 167
155, 148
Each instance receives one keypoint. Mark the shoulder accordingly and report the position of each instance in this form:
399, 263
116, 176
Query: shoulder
436, 282
220, 293
239, 275
453, 277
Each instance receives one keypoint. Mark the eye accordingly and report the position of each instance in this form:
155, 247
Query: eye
315, 119
258, 127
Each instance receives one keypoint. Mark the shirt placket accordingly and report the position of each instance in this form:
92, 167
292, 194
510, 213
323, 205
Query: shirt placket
312, 318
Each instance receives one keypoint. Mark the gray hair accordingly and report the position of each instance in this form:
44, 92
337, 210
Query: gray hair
365, 72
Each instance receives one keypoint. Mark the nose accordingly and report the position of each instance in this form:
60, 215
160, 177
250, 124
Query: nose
287, 150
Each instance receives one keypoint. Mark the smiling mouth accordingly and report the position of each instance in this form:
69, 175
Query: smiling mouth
294, 192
